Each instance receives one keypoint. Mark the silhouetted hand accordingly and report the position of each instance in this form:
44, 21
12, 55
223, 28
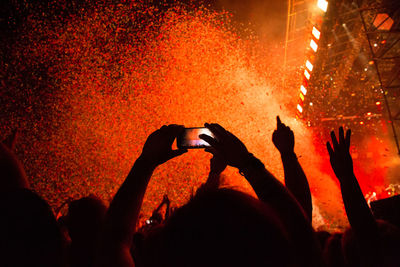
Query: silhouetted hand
341, 161
226, 144
217, 162
158, 147
166, 199
11, 140
283, 138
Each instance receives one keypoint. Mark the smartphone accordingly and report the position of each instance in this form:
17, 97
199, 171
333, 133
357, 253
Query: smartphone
190, 138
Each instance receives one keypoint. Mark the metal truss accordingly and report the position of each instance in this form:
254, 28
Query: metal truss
383, 36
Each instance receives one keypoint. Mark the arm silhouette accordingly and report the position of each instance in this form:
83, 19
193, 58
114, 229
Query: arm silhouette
124, 209
358, 213
295, 178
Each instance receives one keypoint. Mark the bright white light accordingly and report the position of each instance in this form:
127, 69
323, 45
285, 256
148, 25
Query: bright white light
316, 33
307, 74
313, 45
303, 90
375, 45
299, 108
309, 65
311, 103
323, 5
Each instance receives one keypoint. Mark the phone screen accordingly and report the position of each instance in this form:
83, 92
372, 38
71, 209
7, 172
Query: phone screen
190, 138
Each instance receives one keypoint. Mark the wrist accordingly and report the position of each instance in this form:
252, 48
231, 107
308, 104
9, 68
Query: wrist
146, 163
249, 162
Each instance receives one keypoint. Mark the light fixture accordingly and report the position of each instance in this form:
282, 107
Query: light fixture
316, 33
303, 90
299, 108
313, 45
323, 5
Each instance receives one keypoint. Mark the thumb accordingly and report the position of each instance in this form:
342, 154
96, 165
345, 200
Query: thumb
176, 153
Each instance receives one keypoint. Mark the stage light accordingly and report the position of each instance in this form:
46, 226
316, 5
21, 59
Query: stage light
369, 113
299, 108
371, 62
307, 74
361, 122
311, 103
378, 103
316, 33
313, 45
323, 5
309, 65
303, 90
301, 97
375, 45
383, 22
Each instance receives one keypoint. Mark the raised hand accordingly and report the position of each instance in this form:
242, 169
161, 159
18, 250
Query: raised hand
341, 161
165, 199
158, 147
283, 138
226, 144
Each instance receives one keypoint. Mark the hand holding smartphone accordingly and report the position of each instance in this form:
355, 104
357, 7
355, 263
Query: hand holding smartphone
189, 139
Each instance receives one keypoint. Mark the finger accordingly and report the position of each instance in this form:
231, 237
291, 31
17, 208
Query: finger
348, 134
176, 153
216, 129
329, 148
341, 136
279, 124
334, 141
211, 141
211, 150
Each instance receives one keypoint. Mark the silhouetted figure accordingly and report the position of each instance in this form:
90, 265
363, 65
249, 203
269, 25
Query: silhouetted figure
363, 243
29, 233
220, 228
84, 222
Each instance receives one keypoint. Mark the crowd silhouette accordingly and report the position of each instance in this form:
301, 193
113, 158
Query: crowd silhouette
218, 226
